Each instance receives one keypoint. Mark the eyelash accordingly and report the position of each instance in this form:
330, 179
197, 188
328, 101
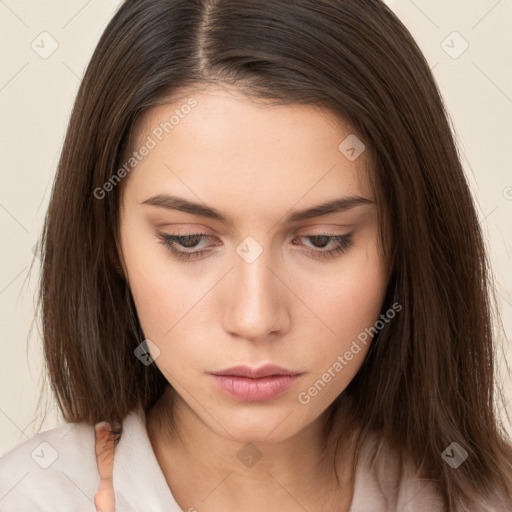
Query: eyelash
344, 243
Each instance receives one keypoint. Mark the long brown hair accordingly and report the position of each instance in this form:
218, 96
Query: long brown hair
429, 377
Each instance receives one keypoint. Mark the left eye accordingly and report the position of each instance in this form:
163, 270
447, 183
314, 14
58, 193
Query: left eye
342, 244
175, 243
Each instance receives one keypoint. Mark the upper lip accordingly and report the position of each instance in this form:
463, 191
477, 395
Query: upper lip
266, 370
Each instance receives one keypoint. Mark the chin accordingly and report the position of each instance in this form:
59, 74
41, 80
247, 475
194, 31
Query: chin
256, 428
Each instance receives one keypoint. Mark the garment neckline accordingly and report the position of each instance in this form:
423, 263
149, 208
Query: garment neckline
137, 470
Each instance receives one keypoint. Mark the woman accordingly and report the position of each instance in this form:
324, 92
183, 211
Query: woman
264, 283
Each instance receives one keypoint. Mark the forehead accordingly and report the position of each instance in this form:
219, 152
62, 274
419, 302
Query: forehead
218, 145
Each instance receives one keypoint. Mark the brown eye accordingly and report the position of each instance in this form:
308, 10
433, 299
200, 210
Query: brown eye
342, 243
320, 241
190, 241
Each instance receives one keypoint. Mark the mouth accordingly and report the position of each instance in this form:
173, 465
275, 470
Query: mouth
247, 384
267, 370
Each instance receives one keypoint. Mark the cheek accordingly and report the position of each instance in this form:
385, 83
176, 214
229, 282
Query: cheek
167, 304
165, 301
163, 293
349, 305
348, 299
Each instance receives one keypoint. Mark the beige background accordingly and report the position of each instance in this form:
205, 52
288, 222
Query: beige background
36, 96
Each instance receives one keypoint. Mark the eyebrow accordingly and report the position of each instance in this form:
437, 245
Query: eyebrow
171, 202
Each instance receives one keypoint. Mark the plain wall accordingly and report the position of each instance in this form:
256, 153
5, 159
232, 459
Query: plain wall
36, 96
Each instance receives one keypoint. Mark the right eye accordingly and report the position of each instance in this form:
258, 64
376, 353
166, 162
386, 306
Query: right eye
175, 242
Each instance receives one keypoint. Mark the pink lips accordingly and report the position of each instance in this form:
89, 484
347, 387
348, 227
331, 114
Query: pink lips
254, 384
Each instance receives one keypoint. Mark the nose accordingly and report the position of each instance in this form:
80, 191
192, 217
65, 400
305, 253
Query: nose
256, 299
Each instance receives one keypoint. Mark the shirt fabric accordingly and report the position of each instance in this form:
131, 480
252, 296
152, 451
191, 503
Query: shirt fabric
56, 471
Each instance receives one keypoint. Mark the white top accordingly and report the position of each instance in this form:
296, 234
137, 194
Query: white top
55, 471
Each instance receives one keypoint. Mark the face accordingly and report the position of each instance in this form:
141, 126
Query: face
238, 268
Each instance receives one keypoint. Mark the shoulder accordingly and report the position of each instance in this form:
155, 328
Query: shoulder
52, 471
385, 487
417, 494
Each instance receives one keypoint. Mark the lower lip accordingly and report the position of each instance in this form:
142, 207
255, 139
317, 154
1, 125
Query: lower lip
254, 390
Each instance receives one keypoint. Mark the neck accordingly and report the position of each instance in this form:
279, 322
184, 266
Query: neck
295, 472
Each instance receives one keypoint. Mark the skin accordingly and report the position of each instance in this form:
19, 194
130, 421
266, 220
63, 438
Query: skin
104, 499
292, 307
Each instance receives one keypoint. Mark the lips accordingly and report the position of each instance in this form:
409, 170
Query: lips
267, 370
247, 384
